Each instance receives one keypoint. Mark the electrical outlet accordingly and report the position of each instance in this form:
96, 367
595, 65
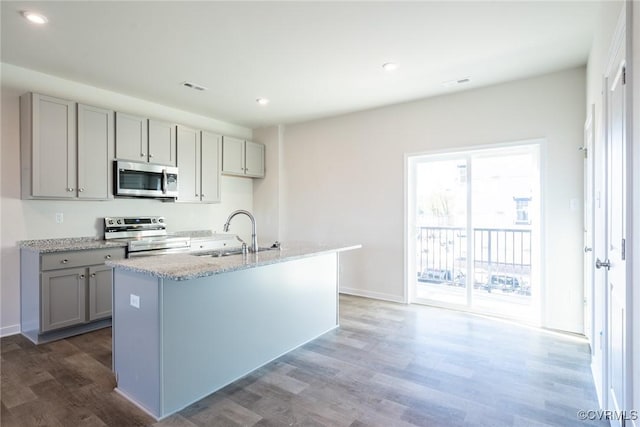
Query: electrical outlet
134, 300
59, 218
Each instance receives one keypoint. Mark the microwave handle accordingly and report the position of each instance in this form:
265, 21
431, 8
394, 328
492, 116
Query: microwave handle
165, 184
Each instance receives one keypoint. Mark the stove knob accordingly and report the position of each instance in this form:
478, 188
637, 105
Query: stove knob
153, 220
110, 222
119, 221
160, 220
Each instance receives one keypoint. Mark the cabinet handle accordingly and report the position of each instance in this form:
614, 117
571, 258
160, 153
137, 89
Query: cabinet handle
82, 276
108, 257
81, 189
150, 155
64, 261
69, 189
197, 195
142, 154
93, 275
202, 195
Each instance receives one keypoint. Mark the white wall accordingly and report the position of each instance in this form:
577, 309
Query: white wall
345, 175
35, 219
266, 192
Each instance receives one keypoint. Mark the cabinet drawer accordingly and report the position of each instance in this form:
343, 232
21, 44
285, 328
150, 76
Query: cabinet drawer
58, 260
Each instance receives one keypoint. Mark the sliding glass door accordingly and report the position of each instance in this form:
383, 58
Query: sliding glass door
474, 230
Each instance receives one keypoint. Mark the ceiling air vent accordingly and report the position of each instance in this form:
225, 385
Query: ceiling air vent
450, 83
193, 86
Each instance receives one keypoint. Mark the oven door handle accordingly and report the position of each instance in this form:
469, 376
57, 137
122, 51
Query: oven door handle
165, 183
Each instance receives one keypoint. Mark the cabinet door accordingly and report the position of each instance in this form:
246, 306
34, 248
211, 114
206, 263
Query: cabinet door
232, 156
62, 299
53, 147
254, 159
131, 137
211, 147
162, 143
188, 164
95, 152
100, 280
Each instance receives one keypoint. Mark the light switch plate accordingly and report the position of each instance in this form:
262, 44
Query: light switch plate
134, 300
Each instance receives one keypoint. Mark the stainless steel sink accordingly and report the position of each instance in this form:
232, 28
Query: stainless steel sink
229, 252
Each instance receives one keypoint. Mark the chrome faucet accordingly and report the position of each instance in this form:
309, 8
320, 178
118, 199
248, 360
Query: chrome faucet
254, 236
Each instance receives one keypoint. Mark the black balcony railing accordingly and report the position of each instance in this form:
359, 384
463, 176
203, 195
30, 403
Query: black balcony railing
501, 256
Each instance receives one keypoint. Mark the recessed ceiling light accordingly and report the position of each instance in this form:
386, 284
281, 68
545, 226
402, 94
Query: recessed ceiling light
36, 18
390, 66
262, 101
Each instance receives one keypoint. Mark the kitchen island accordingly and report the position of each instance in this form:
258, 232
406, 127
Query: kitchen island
185, 326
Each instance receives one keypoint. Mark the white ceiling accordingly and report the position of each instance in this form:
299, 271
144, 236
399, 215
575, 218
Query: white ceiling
311, 59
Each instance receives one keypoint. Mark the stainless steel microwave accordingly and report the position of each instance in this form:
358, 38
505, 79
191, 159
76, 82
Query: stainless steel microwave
134, 179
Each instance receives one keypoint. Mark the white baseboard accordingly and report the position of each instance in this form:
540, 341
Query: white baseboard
9, 330
372, 294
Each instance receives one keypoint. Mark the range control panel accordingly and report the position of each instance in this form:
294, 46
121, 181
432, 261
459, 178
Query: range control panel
133, 223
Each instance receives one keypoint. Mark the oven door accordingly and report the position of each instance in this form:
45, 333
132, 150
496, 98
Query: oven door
134, 179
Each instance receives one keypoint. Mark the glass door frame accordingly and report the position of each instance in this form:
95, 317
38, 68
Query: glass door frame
538, 147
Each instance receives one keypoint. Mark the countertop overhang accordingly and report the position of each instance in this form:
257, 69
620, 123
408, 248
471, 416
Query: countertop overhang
69, 244
192, 266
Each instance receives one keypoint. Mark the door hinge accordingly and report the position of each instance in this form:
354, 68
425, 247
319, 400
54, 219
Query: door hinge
622, 250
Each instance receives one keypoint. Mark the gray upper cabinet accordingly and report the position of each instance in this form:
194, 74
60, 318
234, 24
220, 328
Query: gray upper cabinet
188, 164
210, 155
66, 149
199, 165
162, 143
48, 147
254, 159
96, 149
242, 158
131, 137
145, 140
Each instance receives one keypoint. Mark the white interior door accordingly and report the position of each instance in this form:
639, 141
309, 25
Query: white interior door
616, 232
589, 137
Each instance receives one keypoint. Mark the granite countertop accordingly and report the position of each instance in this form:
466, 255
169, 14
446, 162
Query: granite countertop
190, 266
69, 244
84, 243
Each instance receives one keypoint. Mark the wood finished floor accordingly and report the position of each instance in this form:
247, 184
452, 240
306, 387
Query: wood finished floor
387, 365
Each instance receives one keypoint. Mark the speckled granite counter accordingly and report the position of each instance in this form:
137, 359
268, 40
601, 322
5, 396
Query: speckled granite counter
68, 244
83, 243
192, 266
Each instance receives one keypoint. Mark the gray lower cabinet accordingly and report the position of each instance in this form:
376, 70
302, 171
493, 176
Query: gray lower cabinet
100, 282
63, 296
65, 293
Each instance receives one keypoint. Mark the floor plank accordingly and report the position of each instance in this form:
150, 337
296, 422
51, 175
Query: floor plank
387, 365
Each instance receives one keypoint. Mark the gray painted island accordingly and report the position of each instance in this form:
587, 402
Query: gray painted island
185, 326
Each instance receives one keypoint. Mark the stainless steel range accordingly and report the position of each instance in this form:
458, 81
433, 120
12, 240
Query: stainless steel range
145, 235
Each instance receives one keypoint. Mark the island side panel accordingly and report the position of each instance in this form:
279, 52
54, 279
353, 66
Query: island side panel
219, 328
136, 338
